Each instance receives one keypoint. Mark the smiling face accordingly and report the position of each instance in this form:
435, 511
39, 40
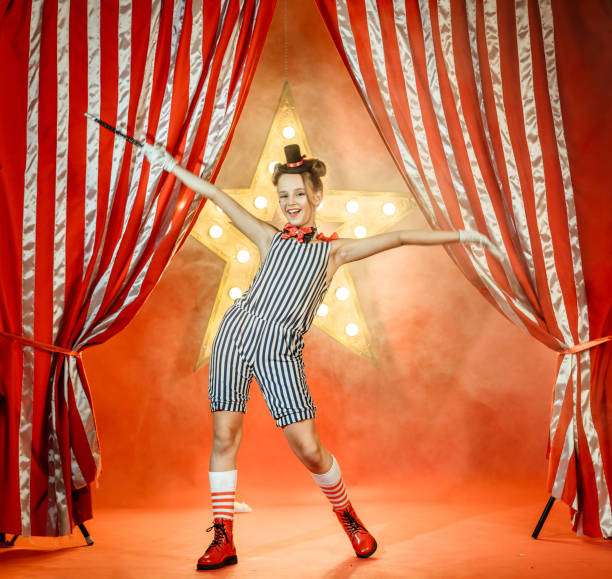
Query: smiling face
297, 200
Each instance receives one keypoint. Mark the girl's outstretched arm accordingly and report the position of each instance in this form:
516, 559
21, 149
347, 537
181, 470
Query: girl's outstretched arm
258, 231
347, 250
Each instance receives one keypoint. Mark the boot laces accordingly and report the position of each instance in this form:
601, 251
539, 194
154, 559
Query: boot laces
220, 535
350, 523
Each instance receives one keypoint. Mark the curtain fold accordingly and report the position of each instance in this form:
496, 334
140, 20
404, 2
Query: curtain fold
497, 116
87, 227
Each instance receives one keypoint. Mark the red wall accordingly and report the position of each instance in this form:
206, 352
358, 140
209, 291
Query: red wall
459, 393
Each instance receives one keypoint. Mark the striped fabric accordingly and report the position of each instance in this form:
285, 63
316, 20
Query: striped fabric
337, 496
247, 346
261, 333
87, 226
468, 98
223, 493
332, 485
290, 284
223, 505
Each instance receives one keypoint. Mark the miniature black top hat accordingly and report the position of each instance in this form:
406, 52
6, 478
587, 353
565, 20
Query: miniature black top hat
296, 162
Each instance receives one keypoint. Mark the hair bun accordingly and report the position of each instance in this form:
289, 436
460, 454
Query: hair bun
318, 168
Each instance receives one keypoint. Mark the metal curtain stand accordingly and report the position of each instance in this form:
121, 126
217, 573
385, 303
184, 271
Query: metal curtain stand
543, 517
87, 536
4, 544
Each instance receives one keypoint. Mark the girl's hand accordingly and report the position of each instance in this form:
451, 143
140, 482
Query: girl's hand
466, 236
159, 157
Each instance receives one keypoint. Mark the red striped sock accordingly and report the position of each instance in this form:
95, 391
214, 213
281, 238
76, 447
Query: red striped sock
332, 485
223, 493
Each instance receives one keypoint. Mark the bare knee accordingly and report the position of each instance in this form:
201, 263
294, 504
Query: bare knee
226, 440
312, 454
306, 444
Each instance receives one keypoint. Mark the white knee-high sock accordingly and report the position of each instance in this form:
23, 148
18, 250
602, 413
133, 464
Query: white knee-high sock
332, 486
223, 492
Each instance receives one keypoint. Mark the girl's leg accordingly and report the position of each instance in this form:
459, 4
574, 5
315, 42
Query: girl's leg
306, 444
304, 440
227, 433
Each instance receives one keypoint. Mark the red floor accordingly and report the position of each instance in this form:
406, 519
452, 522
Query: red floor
479, 534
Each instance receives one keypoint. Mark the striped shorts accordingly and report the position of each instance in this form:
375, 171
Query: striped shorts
247, 346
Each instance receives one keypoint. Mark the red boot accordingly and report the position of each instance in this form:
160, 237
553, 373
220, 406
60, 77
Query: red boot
221, 551
363, 543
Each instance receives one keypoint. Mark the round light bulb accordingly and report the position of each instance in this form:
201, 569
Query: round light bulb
243, 256
388, 208
360, 231
322, 311
260, 202
271, 167
288, 132
235, 293
215, 231
351, 329
352, 206
342, 293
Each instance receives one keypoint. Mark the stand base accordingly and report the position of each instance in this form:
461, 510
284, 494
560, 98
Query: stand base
4, 544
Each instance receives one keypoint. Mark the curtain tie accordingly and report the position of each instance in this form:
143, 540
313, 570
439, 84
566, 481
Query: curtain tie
585, 345
41, 345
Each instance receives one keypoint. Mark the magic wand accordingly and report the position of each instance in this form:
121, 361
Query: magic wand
114, 130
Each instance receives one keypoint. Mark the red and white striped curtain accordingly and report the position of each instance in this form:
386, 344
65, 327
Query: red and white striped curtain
86, 227
497, 115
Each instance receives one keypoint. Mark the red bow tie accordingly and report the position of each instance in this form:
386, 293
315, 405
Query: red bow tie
305, 234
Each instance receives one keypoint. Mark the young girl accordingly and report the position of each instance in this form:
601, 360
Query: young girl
261, 335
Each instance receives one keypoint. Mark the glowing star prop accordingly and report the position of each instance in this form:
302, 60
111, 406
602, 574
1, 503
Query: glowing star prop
357, 213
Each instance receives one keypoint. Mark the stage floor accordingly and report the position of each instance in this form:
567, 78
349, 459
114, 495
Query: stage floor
473, 534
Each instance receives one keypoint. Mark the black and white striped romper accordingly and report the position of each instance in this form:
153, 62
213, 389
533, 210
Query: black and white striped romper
261, 333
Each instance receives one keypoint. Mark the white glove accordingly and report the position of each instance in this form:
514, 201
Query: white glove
159, 157
466, 236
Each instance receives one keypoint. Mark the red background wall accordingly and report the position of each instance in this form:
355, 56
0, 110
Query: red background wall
459, 394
